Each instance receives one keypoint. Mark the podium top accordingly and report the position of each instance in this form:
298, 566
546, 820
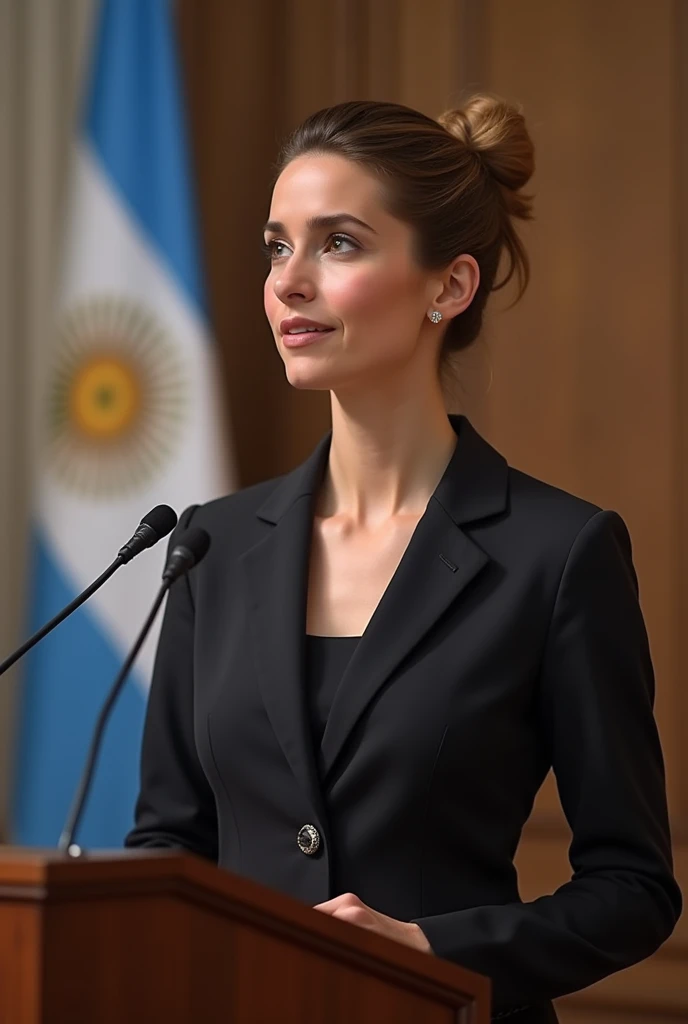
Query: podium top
49, 877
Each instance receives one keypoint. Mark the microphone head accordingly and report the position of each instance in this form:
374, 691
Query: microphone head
162, 520
190, 548
196, 541
155, 525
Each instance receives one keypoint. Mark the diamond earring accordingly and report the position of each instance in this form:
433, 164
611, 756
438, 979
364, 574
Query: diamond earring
435, 316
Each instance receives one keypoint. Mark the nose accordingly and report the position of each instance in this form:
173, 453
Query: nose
294, 281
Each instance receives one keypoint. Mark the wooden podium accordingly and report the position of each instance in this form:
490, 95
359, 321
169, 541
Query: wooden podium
160, 937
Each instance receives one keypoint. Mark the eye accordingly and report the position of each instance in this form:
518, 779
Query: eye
270, 252
268, 248
345, 239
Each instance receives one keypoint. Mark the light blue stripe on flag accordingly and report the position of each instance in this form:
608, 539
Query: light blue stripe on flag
68, 676
134, 122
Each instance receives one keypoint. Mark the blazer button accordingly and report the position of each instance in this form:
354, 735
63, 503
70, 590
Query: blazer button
308, 839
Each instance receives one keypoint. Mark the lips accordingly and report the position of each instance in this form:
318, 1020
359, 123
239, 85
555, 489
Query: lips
294, 322
294, 332
303, 338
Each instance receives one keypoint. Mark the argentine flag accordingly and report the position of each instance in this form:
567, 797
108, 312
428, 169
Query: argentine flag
131, 421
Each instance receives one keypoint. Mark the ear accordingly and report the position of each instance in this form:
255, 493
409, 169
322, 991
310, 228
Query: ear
459, 284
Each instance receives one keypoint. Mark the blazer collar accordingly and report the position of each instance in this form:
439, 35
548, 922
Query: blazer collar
473, 486
438, 564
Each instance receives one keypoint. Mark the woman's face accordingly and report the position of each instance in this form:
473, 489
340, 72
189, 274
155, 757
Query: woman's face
354, 276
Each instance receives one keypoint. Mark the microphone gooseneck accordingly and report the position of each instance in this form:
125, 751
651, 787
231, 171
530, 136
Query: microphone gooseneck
190, 549
153, 527
60, 617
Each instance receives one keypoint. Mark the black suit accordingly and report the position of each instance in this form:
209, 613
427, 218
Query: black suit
509, 640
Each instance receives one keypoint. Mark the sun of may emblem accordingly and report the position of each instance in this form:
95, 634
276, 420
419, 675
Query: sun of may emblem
116, 397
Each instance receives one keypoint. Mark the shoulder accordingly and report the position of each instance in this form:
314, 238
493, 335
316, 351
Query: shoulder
233, 517
519, 515
237, 506
559, 527
241, 518
233, 526
546, 507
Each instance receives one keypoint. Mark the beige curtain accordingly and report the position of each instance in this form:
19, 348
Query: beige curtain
42, 43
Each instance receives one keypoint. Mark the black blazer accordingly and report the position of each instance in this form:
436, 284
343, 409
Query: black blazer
509, 640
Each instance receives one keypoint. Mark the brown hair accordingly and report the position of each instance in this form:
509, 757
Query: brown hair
456, 181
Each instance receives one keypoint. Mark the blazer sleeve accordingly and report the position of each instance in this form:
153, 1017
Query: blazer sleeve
596, 711
175, 806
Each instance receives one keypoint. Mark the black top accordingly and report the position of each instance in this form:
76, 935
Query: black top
326, 660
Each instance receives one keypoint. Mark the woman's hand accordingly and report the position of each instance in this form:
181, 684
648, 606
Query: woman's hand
349, 908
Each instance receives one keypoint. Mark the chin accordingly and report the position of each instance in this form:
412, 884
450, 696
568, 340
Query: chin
307, 385
307, 380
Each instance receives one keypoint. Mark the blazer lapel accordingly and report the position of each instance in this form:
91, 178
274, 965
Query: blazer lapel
438, 564
422, 588
276, 581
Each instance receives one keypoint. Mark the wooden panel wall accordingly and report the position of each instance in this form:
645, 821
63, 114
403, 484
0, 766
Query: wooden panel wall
585, 383
589, 383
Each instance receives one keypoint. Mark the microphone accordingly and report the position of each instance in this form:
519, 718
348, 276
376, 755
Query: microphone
160, 521
191, 547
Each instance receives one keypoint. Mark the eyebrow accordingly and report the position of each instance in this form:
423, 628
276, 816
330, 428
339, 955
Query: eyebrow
324, 221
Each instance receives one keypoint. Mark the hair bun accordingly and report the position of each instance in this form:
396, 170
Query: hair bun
496, 132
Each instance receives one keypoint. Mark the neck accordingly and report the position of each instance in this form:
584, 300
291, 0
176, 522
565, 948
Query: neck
386, 459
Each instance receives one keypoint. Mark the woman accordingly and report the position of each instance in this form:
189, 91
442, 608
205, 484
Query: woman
359, 692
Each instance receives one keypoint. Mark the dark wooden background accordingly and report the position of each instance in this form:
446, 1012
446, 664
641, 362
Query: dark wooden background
584, 383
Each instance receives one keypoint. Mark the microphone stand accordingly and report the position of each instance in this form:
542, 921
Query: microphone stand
66, 842
189, 550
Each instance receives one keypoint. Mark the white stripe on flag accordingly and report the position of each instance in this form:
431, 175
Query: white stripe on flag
105, 253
